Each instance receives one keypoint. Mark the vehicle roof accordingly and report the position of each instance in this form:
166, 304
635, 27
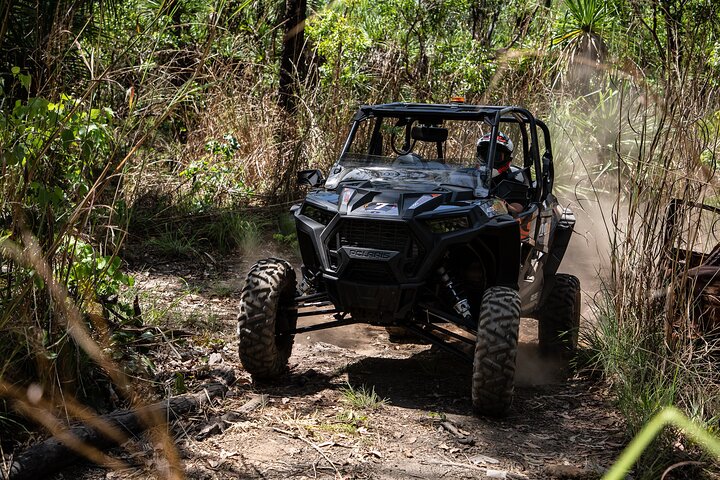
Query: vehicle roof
447, 111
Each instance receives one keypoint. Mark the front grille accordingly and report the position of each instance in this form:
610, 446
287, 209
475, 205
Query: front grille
368, 271
374, 234
379, 235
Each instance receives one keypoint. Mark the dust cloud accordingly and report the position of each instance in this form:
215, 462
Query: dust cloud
588, 254
588, 258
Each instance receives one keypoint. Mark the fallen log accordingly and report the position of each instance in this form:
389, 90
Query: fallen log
218, 424
50, 456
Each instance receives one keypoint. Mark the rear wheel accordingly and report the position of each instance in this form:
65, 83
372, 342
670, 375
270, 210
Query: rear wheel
559, 317
493, 382
267, 309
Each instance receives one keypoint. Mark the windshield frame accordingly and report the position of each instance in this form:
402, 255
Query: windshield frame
428, 172
493, 116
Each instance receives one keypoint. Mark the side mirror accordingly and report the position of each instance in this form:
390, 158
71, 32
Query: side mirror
312, 178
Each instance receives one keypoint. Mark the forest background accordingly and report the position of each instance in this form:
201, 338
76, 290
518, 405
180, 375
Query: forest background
176, 127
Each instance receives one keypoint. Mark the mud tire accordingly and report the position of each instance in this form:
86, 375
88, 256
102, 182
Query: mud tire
559, 317
267, 306
493, 381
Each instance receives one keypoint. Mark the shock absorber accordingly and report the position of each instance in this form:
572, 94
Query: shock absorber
460, 303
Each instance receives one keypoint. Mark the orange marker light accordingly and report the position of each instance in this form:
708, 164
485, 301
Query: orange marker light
457, 100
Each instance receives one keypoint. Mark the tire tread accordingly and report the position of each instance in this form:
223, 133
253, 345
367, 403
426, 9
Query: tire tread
269, 290
496, 351
559, 317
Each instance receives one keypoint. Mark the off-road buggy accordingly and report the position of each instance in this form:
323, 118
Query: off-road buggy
411, 231
692, 246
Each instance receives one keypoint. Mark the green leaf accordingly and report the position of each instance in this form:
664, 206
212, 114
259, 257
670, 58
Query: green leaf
67, 135
25, 81
15, 70
667, 416
17, 155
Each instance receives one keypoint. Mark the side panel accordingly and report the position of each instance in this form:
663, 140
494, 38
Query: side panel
543, 254
563, 232
534, 223
308, 232
504, 243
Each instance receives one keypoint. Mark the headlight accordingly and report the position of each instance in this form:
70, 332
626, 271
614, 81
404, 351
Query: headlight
448, 224
319, 215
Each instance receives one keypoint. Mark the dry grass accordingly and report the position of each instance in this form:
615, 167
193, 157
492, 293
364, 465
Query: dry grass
646, 340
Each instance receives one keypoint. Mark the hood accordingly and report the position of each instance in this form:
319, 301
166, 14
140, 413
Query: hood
364, 199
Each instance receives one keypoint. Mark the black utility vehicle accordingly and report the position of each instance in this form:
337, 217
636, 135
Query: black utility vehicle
433, 225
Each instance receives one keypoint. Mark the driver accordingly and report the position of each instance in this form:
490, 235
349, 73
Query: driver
503, 153
501, 166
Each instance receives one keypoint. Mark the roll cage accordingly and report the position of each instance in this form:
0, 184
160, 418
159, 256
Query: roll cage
493, 116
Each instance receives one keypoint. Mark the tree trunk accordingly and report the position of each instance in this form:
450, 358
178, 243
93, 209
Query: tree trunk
476, 18
484, 18
673, 14
292, 68
491, 28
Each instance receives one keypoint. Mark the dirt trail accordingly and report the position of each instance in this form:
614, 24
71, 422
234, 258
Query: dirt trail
558, 427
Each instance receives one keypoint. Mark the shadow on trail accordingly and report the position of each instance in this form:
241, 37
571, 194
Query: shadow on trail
435, 378
428, 380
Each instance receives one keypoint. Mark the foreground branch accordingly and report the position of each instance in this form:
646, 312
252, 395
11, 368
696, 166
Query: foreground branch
52, 455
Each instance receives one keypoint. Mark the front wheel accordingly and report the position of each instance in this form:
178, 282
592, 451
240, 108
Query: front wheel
559, 317
493, 381
267, 311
